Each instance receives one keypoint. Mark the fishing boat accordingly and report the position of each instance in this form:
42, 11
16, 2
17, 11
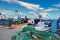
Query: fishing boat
40, 24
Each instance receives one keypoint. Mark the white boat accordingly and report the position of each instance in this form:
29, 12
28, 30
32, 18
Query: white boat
40, 24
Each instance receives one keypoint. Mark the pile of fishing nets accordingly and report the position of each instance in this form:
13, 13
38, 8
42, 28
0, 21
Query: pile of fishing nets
29, 33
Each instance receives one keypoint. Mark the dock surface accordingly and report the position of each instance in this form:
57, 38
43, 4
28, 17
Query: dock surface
5, 33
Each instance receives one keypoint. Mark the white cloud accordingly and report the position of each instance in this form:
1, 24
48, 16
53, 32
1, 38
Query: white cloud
44, 15
50, 9
57, 5
32, 13
10, 0
41, 8
26, 5
5, 11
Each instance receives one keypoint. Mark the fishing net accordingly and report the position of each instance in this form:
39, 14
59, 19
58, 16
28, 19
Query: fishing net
29, 33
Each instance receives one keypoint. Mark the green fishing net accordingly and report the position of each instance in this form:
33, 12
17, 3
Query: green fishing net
29, 33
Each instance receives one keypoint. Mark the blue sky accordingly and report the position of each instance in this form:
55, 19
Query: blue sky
52, 7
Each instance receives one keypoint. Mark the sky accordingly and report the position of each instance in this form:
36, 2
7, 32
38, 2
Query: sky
30, 8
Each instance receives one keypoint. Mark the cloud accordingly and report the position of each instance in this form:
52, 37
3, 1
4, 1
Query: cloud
31, 13
41, 8
35, 15
57, 5
10, 0
26, 5
5, 11
44, 14
49, 9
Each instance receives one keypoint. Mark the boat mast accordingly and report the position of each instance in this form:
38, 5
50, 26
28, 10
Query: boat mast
17, 13
1, 15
